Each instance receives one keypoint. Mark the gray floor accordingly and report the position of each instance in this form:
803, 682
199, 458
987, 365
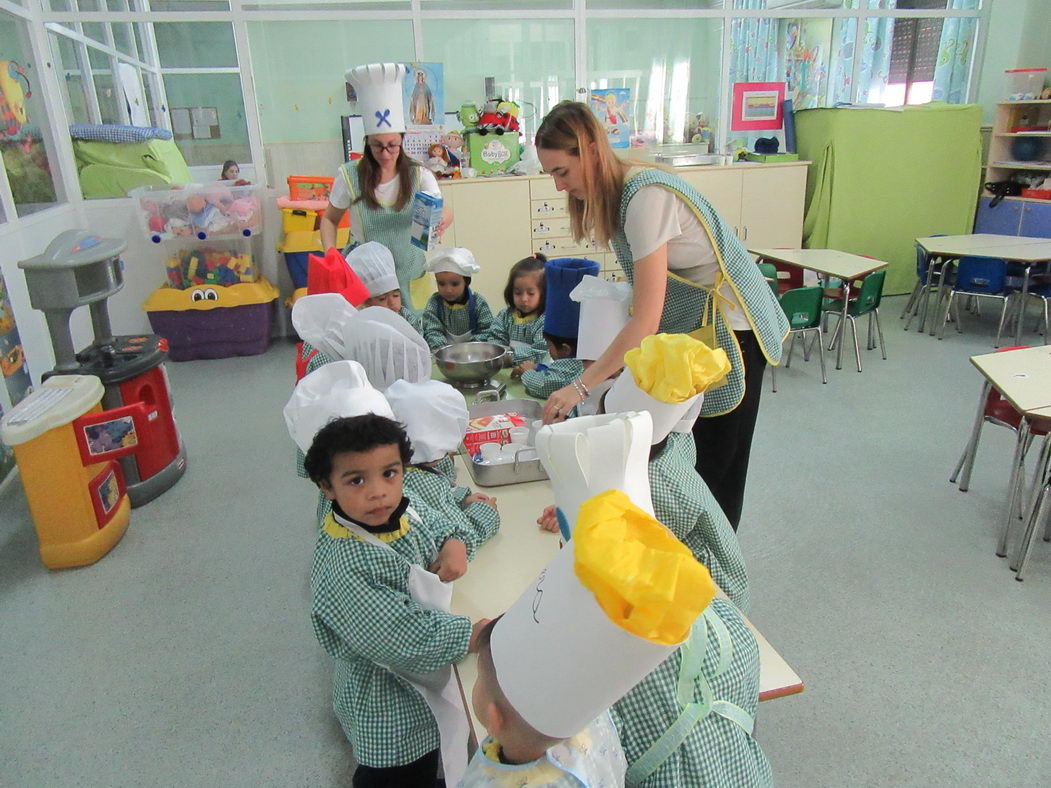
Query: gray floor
185, 657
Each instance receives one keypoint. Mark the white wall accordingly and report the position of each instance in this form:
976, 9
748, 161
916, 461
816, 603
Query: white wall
1019, 37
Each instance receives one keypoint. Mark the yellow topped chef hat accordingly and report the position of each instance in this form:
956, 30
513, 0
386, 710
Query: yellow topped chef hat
616, 601
665, 376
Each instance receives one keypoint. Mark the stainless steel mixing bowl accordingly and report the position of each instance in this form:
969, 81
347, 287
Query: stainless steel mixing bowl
472, 363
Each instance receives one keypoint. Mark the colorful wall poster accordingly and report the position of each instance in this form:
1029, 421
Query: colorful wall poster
611, 106
424, 94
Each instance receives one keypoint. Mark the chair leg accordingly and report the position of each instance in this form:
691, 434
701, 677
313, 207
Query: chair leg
959, 323
871, 340
1038, 500
879, 332
913, 297
857, 347
1014, 491
791, 347
1041, 509
945, 316
1000, 326
1047, 322
966, 462
821, 358
773, 378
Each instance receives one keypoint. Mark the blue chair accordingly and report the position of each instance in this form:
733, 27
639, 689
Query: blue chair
931, 274
979, 277
1041, 290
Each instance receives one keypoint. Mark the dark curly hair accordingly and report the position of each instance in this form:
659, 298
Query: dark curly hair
354, 433
534, 264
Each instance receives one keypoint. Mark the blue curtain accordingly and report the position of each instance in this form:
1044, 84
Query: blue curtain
874, 72
753, 47
954, 55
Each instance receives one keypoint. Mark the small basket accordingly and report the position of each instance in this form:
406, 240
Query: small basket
1037, 194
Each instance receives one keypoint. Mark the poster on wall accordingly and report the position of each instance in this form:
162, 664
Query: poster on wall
611, 106
424, 94
17, 381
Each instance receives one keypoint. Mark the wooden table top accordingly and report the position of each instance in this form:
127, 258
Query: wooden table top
830, 262
1016, 248
1023, 377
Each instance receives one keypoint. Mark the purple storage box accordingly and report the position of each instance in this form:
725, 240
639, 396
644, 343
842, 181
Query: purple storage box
213, 322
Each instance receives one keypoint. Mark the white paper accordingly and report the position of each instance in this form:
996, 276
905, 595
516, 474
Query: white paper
202, 132
204, 116
180, 118
625, 397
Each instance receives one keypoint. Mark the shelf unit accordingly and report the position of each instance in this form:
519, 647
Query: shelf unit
1035, 117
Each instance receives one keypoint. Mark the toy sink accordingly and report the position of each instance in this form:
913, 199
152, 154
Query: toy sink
519, 471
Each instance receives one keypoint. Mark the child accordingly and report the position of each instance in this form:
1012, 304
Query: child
231, 172
455, 313
378, 610
521, 325
435, 418
561, 327
374, 265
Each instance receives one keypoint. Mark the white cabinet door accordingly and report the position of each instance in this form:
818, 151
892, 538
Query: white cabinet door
772, 206
492, 221
722, 188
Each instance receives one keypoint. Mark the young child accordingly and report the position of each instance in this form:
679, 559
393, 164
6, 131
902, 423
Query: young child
377, 607
374, 265
561, 327
434, 416
455, 313
521, 325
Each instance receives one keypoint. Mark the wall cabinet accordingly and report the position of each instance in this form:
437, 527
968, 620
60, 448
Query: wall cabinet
1014, 217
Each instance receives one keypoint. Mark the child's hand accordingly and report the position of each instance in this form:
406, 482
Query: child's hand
525, 366
452, 561
478, 626
548, 521
479, 498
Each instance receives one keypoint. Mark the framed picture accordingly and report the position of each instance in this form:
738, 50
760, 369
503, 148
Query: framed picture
106, 490
109, 434
757, 106
612, 107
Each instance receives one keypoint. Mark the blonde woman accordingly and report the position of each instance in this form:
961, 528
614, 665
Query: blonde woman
677, 252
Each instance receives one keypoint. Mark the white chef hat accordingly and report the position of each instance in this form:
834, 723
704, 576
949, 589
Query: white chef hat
320, 320
604, 311
591, 454
685, 424
665, 376
616, 601
373, 264
337, 390
389, 349
455, 260
379, 96
434, 415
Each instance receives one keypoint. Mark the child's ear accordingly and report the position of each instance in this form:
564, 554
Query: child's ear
326, 488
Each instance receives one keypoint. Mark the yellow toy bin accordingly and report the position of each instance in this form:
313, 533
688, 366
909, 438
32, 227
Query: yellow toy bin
66, 448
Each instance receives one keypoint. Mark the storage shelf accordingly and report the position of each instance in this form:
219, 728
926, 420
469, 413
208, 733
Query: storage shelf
1022, 103
1023, 134
1020, 165
1018, 199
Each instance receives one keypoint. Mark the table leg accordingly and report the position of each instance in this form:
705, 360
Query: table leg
967, 460
1036, 510
921, 304
1013, 491
1021, 306
843, 324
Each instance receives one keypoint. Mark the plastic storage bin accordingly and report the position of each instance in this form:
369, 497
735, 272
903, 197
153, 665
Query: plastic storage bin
221, 265
197, 210
213, 322
65, 445
1024, 84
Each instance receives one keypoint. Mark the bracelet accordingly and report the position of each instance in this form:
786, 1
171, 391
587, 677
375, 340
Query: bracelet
581, 391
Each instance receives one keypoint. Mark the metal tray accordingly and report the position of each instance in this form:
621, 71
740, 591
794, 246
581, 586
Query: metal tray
519, 471
688, 159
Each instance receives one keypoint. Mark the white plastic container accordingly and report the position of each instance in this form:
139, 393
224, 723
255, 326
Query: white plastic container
198, 211
1024, 84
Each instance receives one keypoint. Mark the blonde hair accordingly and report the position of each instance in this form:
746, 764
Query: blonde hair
572, 127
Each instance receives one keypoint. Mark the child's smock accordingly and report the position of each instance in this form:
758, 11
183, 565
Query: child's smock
591, 759
444, 323
524, 335
432, 496
546, 379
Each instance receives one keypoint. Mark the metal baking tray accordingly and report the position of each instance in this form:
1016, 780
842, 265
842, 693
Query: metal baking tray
687, 159
518, 472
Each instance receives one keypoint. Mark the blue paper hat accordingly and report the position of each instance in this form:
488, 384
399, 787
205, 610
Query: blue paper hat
562, 313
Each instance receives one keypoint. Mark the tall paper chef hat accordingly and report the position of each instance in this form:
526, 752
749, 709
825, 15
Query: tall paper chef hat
334, 391
434, 415
373, 264
665, 376
455, 260
615, 602
591, 454
389, 349
604, 310
378, 88
321, 320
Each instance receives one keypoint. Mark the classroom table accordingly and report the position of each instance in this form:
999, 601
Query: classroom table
830, 263
1023, 378
1013, 248
511, 560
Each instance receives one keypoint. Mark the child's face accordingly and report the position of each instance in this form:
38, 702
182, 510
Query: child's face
391, 300
232, 172
526, 293
450, 286
367, 485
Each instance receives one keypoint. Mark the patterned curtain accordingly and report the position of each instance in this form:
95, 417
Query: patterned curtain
954, 55
875, 48
753, 47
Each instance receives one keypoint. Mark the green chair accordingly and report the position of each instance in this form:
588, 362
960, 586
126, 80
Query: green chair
802, 307
769, 272
867, 303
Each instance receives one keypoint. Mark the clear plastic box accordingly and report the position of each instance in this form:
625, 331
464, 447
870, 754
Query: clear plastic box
1024, 84
222, 263
198, 211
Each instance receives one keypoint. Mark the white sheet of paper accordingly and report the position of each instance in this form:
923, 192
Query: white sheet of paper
181, 121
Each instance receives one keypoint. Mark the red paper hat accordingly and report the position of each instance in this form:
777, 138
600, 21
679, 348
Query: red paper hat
331, 274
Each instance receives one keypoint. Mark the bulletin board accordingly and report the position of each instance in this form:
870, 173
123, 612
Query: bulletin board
195, 123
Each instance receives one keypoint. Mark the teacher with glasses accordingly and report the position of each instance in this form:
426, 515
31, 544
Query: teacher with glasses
379, 188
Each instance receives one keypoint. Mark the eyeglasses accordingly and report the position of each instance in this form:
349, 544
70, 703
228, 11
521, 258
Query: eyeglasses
390, 147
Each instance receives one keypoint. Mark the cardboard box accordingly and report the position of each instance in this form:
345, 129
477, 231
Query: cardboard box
491, 429
489, 153
426, 216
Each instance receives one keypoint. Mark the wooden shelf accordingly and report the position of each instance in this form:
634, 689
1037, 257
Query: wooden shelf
1023, 134
1021, 103
1019, 165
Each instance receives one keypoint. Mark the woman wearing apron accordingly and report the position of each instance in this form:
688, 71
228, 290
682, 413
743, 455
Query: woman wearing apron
378, 188
689, 273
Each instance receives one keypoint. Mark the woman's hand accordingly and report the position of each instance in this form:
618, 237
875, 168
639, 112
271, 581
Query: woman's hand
447, 219
560, 403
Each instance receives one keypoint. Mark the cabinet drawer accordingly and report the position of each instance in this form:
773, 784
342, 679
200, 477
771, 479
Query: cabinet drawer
549, 209
565, 247
540, 188
545, 228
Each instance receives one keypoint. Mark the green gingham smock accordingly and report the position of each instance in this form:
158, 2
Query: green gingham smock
508, 328
446, 466
319, 359
684, 503
432, 497
413, 319
365, 618
440, 320
717, 752
685, 303
542, 383
684, 445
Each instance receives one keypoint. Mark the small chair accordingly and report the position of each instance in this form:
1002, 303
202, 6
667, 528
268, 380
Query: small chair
980, 277
932, 273
802, 307
867, 303
789, 277
769, 272
1041, 290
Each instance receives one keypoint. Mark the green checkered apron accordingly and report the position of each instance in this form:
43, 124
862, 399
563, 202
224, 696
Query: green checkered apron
689, 308
390, 228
